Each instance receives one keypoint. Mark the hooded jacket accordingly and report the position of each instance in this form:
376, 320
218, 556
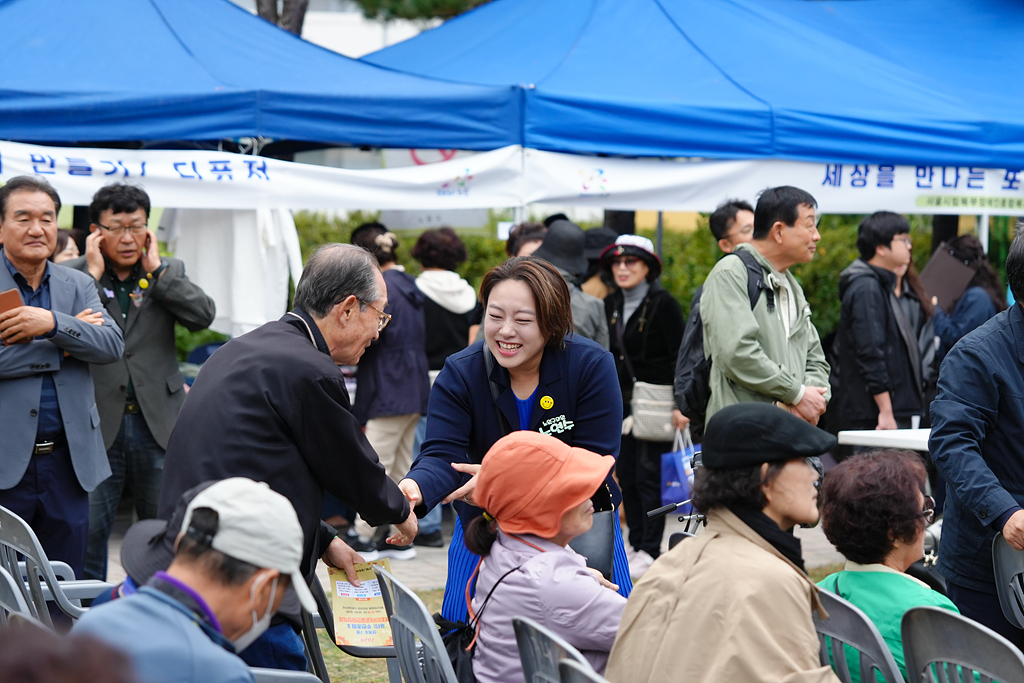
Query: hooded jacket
392, 377
724, 606
878, 349
448, 311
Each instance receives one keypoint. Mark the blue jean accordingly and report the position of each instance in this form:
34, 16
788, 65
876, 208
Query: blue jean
279, 647
432, 521
137, 458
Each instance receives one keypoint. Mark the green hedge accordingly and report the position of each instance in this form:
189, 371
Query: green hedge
688, 258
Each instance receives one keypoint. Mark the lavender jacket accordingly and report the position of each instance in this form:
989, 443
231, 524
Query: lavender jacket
553, 588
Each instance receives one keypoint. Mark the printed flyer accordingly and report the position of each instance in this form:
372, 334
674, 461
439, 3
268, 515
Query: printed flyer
359, 616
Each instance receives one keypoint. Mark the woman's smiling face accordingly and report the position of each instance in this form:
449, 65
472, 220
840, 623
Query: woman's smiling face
511, 329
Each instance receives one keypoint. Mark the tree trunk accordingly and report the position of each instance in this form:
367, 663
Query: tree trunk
293, 14
268, 10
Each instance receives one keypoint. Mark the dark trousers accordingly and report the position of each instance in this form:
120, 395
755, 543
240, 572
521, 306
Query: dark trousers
984, 609
50, 499
136, 458
639, 473
279, 647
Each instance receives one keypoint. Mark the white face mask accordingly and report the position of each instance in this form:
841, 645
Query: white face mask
259, 624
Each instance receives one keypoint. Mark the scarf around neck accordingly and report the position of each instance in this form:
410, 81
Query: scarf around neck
783, 541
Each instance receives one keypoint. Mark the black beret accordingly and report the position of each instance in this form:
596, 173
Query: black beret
748, 434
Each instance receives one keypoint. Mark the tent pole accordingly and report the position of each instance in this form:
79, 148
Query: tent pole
983, 231
660, 234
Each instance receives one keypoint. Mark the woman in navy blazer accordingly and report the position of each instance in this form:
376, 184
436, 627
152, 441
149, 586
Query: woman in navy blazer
529, 372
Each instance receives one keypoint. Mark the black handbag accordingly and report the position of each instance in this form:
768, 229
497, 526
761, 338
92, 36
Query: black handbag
458, 638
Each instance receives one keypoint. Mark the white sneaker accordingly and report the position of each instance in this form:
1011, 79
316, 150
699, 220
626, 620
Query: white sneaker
639, 564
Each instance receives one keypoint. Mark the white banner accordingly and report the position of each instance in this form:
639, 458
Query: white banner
510, 177
196, 179
700, 186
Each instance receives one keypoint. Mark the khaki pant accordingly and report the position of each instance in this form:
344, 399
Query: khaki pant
392, 437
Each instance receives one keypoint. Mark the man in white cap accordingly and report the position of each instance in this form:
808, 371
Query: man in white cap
239, 548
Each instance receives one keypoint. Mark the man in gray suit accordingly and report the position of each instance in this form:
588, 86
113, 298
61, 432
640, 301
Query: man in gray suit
51, 449
140, 395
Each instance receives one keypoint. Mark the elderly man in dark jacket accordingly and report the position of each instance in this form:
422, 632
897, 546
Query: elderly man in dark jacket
272, 406
879, 362
977, 432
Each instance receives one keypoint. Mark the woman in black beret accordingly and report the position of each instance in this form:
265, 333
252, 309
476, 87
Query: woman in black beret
735, 603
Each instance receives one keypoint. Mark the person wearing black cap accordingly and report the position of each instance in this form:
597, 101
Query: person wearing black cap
646, 326
735, 603
563, 247
594, 280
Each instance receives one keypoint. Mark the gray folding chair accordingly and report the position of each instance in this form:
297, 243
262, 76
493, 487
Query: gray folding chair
16, 537
570, 671
598, 544
847, 625
282, 676
325, 619
937, 642
421, 652
11, 599
540, 651
1008, 565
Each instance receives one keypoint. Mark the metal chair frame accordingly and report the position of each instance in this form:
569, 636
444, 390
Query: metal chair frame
940, 646
541, 651
848, 625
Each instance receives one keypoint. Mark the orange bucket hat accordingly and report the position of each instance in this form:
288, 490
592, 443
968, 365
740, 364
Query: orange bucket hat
528, 481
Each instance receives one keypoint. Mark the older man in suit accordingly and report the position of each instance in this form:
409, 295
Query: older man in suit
140, 395
51, 449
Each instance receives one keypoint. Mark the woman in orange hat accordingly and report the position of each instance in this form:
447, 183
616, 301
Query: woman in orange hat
529, 373
536, 492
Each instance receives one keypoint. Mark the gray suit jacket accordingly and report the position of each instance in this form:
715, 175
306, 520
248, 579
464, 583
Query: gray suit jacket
21, 381
150, 355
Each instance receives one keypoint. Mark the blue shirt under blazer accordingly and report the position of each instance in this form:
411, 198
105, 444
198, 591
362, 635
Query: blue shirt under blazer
462, 424
976, 441
22, 367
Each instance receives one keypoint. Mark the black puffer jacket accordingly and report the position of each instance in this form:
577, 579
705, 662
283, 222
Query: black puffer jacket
651, 339
873, 351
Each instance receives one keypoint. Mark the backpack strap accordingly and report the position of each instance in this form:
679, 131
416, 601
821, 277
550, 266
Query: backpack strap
755, 281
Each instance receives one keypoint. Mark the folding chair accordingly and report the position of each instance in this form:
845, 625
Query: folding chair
1008, 566
412, 625
11, 599
598, 544
540, 651
937, 642
16, 537
847, 625
570, 671
282, 676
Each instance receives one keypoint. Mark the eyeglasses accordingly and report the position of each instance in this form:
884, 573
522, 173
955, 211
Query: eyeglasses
382, 318
906, 240
117, 232
929, 510
628, 261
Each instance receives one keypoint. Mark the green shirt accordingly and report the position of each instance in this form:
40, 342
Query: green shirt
884, 595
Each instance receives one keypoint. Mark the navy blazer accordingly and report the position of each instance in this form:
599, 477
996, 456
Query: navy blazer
21, 380
977, 432
462, 423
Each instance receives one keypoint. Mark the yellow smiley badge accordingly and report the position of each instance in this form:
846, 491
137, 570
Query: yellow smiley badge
547, 403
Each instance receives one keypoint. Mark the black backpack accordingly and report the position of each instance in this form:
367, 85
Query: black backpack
693, 370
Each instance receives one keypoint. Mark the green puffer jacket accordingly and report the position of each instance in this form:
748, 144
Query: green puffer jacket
753, 360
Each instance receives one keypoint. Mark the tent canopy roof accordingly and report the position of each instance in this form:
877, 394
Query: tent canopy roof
207, 69
882, 81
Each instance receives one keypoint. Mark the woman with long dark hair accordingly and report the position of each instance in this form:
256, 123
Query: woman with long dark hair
983, 298
529, 372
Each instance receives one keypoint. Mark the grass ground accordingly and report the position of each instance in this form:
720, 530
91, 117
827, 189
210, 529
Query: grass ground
346, 669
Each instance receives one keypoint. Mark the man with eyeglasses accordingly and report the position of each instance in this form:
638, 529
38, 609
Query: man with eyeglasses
271, 405
139, 395
880, 323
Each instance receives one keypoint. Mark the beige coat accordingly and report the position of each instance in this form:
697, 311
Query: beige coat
725, 607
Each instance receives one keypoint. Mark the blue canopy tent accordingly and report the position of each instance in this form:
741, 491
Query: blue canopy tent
879, 81
207, 70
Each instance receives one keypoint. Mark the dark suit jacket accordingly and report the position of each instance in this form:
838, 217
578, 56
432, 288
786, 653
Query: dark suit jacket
150, 355
462, 424
21, 380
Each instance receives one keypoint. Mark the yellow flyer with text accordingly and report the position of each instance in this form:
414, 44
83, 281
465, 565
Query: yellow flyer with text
359, 616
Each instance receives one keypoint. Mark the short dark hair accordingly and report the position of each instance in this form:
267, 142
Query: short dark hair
870, 501
440, 248
375, 238
523, 233
1015, 263
732, 488
877, 230
119, 198
550, 293
725, 214
195, 547
27, 183
334, 273
779, 204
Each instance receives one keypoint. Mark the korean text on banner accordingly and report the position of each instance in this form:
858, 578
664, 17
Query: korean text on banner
359, 616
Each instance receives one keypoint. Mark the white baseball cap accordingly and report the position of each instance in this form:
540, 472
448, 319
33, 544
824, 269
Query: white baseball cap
258, 526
